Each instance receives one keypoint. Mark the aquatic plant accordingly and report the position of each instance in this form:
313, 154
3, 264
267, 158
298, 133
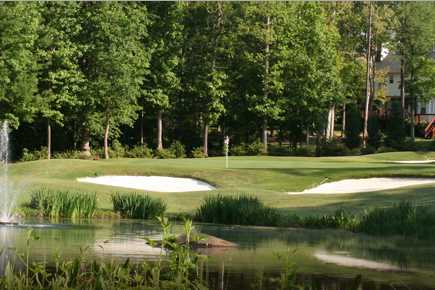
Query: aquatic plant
65, 204
241, 210
138, 206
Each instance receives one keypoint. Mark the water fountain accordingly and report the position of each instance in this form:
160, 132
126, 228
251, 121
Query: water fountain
7, 200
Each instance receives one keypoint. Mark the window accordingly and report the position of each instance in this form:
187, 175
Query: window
391, 79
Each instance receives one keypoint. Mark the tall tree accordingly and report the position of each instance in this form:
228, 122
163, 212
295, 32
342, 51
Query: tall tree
19, 24
163, 82
116, 60
60, 77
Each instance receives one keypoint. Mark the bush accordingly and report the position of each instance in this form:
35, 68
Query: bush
255, 148
139, 151
305, 151
384, 149
64, 204
374, 133
334, 148
177, 148
395, 130
138, 206
353, 127
280, 151
240, 210
163, 154
238, 150
34, 155
117, 150
339, 220
368, 150
198, 152
69, 154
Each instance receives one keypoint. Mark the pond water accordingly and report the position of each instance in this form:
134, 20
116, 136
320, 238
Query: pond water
323, 259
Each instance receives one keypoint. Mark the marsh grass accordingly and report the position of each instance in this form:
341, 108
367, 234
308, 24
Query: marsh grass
66, 204
240, 210
138, 206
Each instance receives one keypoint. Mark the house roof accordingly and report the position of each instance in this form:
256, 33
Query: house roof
391, 63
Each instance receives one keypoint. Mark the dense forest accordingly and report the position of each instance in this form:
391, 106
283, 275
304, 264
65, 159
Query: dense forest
84, 76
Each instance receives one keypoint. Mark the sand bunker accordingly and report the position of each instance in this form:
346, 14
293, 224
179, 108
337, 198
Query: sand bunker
365, 185
348, 261
151, 183
415, 161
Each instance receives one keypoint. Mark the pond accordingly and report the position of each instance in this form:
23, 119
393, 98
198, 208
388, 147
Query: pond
323, 259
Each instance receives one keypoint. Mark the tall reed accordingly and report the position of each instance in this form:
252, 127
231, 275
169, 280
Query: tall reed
241, 210
65, 204
138, 206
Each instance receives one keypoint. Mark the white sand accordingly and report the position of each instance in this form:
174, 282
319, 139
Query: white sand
365, 185
415, 161
151, 183
348, 261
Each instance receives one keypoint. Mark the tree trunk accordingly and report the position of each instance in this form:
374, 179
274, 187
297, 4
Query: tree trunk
368, 59
343, 129
86, 148
48, 140
106, 141
402, 87
159, 130
205, 145
141, 128
413, 108
331, 124
264, 136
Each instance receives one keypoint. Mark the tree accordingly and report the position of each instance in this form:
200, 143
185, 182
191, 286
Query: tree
116, 61
163, 82
354, 126
415, 37
19, 24
59, 76
204, 52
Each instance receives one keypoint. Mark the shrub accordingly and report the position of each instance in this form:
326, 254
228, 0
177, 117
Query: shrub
395, 130
64, 204
163, 154
353, 127
255, 148
334, 148
305, 151
198, 152
117, 150
177, 148
385, 149
139, 151
280, 151
241, 210
69, 154
339, 220
368, 150
238, 150
138, 206
374, 133
34, 155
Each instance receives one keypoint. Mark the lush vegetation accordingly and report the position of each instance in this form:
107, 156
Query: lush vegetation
138, 206
64, 204
189, 74
240, 210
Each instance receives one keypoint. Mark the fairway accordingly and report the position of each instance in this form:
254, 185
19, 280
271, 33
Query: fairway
270, 178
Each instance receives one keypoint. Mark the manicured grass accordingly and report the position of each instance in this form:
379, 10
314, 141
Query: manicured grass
269, 178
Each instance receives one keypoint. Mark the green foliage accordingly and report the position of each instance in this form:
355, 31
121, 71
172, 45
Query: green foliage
334, 148
138, 206
178, 149
198, 152
238, 150
164, 154
241, 210
255, 148
340, 219
117, 150
64, 204
395, 131
139, 151
353, 127
34, 155
374, 132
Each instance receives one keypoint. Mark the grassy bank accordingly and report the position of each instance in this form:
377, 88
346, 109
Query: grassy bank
269, 178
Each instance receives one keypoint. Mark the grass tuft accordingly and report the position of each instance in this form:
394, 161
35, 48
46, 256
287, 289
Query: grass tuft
138, 206
64, 204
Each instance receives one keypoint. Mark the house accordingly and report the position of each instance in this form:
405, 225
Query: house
390, 65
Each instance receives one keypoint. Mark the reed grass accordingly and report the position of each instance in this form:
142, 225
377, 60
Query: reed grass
241, 210
138, 206
64, 204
